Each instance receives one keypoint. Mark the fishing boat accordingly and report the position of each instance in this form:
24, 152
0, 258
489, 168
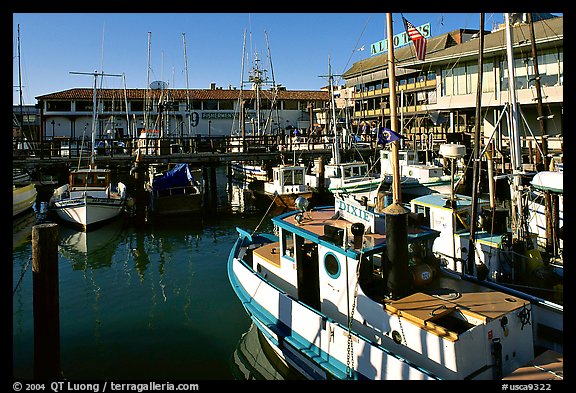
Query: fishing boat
334, 301
287, 184
23, 197
417, 178
261, 122
354, 291
177, 190
497, 246
547, 186
249, 171
90, 198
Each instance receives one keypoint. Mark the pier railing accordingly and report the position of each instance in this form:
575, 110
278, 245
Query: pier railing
64, 147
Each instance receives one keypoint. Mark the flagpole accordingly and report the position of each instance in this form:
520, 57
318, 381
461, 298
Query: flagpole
396, 191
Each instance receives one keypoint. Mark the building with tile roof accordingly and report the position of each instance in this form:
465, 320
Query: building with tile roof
437, 96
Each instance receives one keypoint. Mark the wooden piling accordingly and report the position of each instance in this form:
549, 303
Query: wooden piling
46, 302
141, 199
213, 193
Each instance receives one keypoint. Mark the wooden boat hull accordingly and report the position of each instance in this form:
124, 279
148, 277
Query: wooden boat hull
88, 212
177, 204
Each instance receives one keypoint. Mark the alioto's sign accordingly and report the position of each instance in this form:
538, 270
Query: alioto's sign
399, 40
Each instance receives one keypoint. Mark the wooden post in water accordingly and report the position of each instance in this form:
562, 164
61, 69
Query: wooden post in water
205, 187
46, 302
213, 193
141, 200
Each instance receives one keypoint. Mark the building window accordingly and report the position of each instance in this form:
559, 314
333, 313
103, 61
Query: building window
84, 106
197, 105
59, 106
113, 105
137, 106
210, 105
226, 105
290, 105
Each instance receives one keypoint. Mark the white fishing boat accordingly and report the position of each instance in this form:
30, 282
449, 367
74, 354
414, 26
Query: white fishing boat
327, 296
547, 185
90, 198
249, 171
354, 291
417, 178
260, 123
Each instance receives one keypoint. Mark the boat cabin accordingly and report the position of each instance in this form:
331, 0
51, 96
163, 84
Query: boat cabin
410, 165
454, 227
89, 179
286, 179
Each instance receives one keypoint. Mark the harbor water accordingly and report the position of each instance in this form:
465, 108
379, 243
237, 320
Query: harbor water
147, 302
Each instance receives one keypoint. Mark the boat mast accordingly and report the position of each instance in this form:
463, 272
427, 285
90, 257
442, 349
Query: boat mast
476, 164
20, 92
515, 147
396, 191
542, 121
333, 105
257, 79
399, 281
147, 87
274, 89
187, 91
93, 140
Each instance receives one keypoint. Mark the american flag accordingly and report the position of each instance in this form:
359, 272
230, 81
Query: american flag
417, 38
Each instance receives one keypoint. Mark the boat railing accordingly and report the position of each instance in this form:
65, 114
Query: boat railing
181, 190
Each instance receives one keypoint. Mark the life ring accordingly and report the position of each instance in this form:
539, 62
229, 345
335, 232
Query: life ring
410, 172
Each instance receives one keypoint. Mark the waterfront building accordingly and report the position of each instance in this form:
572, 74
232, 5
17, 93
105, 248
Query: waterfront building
437, 96
125, 113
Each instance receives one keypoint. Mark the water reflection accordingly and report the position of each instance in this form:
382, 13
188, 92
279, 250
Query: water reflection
254, 359
92, 249
22, 228
241, 197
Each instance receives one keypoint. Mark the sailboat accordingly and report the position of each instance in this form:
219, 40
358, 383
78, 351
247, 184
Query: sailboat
354, 291
23, 190
90, 198
477, 244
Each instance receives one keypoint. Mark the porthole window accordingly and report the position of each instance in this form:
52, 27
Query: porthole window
331, 265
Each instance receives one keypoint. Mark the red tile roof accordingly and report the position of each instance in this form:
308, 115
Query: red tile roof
182, 94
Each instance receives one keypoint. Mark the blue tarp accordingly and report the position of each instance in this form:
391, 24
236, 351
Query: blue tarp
179, 176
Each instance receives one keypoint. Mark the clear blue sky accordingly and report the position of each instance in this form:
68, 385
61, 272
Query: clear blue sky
301, 44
